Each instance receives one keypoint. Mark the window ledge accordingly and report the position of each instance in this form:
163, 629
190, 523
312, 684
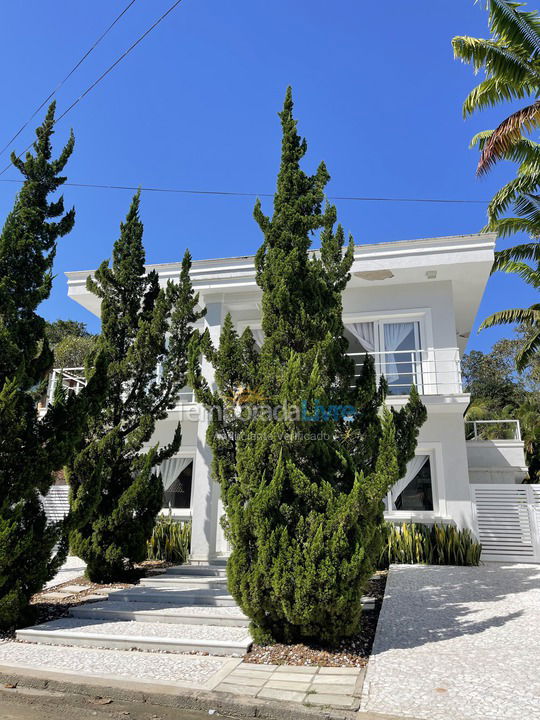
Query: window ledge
418, 516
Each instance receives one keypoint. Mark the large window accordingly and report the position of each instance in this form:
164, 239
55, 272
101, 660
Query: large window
414, 491
177, 477
397, 349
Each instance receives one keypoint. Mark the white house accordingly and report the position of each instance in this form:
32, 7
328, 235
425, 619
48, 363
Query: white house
412, 305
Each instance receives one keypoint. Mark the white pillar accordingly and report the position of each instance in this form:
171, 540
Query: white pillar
205, 497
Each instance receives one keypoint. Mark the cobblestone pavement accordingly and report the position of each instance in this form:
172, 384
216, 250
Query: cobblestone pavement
457, 643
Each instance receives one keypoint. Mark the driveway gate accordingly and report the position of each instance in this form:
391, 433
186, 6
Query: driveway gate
508, 521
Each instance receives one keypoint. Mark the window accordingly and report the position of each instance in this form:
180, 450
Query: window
397, 349
177, 477
418, 495
414, 491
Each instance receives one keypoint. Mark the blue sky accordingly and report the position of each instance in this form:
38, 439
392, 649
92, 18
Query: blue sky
378, 96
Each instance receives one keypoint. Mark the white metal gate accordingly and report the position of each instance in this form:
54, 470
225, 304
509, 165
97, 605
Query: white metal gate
508, 521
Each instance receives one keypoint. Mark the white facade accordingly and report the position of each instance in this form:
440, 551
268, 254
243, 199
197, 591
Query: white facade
412, 304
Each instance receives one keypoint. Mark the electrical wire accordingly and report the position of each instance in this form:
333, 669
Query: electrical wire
232, 193
70, 73
105, 73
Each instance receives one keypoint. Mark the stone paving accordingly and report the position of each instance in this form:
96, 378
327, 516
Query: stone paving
317, 686
73, 568
457, 643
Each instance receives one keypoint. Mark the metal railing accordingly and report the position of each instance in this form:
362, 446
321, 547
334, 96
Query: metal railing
73, 379
434, 371
476, 430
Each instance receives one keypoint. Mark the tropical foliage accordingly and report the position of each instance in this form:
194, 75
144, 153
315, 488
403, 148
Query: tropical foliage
116, 489
302, 489
410, 543
170, 540
510, 59
498, 393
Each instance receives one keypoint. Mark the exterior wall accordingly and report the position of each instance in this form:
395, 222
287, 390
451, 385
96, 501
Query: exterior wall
496, 461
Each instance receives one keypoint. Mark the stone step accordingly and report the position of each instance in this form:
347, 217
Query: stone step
171, 596
190, 570
128, 635
189, 583
162, 613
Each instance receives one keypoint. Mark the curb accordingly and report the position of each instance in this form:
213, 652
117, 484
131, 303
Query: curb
172, 696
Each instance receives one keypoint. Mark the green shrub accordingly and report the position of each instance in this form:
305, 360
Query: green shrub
170, 540
433, 545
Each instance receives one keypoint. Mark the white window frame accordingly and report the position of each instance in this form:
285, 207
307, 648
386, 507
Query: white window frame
434, 451
184, 513
424, 319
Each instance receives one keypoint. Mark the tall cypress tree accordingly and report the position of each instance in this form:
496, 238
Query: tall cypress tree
30, 448
116, 490
302, 489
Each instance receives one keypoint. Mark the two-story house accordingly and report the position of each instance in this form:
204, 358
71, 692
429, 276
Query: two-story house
412, 305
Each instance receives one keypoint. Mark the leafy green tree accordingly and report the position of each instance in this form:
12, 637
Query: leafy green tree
116, 490
31, 449
304, 454
73, 351
60, 329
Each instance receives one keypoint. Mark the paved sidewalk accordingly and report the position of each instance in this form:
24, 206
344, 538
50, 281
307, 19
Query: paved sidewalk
457, 643
315, 686
73, 568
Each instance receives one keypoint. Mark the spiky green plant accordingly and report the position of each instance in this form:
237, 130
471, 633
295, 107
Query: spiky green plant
170, 540
412, 543
510, 59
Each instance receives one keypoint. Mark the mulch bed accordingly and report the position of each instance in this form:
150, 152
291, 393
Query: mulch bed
352, 652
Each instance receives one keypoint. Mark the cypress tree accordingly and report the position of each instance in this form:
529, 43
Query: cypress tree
302, 485
116, 489
31, 449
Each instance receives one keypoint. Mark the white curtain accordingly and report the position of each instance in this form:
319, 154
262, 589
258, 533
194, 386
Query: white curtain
365, 333
413, 468
170, 469
394, 335
258, 336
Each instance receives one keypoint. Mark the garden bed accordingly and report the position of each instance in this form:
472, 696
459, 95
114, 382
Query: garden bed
352, 652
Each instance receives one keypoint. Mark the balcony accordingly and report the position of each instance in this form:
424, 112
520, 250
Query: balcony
73, 380
434, 371
495, 451
481, 430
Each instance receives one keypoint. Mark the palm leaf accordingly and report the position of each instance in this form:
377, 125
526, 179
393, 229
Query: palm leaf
494, 90
510, 226
507, 134
518, 253
528, 351
496, 59
514, 25
516, 315
509, 193
525, 272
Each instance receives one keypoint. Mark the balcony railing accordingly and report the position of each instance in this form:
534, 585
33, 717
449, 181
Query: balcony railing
434, 371
478, 430
73, 379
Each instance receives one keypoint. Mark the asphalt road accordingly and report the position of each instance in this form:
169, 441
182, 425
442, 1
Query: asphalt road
25, 704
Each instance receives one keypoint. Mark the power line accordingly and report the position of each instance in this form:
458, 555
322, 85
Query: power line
232, 193
70, 73
106, 72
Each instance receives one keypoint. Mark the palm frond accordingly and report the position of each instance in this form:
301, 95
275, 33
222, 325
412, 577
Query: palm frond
509, 317
530, 275
494, 90
515, 26
507, 134
518, 253
509, 193
496, 59
510, 226
528, 351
